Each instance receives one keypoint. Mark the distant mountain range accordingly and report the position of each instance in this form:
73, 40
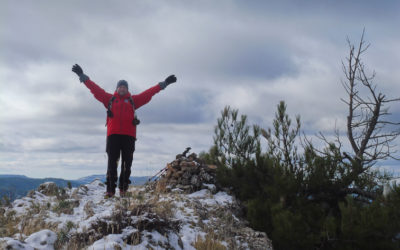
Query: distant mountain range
16, 186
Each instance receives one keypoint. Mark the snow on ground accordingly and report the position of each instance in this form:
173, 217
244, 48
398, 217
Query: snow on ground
43, 239
93, 207
206, 198
10, 243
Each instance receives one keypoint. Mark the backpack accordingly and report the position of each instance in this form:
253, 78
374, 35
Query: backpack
135, 121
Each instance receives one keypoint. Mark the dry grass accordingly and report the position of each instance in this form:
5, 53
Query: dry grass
152, 214
221, 216
30, 225
136, 195
161, 187
164, 209
8, 222
30, 222
65, 206
34, 220
210, 242
34, 217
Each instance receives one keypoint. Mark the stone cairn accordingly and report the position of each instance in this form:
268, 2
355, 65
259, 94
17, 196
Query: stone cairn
188, 173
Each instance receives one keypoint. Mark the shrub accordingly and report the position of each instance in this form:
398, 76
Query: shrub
303, 201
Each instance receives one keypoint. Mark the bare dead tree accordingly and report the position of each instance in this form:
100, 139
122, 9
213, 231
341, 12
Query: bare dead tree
370, 132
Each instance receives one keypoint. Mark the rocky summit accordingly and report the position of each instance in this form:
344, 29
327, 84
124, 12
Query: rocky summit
188, 174
183, 209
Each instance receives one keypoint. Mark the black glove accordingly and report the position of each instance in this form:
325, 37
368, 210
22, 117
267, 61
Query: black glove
170, 79
77, 69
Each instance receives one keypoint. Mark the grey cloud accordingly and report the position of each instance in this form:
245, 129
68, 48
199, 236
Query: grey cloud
165, 107
348, 10
238, 58
221, 51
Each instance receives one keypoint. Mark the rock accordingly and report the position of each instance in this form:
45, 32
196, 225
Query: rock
189, 171
168, 174
211, 187
192, 157
177, 174
193, 170
31, 193
206, 177
186, 175
212, 167
184, 164
98, 182
75, 203
184, 187
185, 181
8, 243
195, 181
80, 191
48, 188
256, 239
173, 182
44, 239
177, 190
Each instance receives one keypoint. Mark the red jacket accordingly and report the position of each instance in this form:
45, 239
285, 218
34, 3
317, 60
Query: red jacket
121, 122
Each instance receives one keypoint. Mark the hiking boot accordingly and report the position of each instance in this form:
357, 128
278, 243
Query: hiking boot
109, 195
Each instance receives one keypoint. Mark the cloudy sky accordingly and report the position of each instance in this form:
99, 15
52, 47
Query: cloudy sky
246, 54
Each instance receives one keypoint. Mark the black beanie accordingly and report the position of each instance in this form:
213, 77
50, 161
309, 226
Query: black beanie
122, 82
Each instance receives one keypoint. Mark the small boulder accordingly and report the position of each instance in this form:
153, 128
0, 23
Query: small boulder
48, 188
44, 239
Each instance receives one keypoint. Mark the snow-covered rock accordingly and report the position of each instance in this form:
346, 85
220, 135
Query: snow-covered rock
43, 239
48, 188
82, 218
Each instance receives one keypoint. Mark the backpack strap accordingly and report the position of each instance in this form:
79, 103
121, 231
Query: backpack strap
131, 101
135, 121
109, 107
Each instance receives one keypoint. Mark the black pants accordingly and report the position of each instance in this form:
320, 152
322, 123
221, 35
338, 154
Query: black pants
117, 145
